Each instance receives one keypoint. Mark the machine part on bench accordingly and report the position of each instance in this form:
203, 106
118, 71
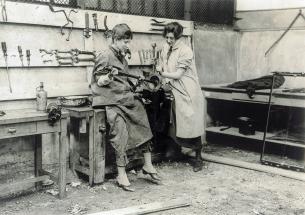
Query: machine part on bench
54, 113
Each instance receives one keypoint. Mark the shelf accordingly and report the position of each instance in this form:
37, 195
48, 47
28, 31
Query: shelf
257, 136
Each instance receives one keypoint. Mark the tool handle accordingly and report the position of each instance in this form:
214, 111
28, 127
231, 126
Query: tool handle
4, 49
28, 53
20, 50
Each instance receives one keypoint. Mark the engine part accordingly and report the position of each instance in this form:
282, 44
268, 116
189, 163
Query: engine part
54, 113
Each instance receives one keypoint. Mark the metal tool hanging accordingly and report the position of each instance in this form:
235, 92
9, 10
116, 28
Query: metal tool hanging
67, 18
3, 10
4, 50
28, 56
107, 33
285, 32
94, 16
20, 55
87, 30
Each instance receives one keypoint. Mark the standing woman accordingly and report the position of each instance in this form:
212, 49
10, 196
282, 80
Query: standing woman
177, 66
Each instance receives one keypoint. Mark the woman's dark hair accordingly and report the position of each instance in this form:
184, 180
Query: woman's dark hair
175, 28
121, 31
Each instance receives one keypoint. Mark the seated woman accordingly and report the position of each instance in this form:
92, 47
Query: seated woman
126, 116
177, 66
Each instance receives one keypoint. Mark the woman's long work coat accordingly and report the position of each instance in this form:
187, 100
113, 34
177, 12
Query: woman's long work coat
118, 97
189, 110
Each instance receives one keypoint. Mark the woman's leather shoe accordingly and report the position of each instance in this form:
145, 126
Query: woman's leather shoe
126, 188
198, 165
154, 176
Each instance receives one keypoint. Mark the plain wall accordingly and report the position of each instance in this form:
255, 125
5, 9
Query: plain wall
216, 53
259, 30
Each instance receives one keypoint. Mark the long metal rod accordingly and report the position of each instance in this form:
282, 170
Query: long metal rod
267, 120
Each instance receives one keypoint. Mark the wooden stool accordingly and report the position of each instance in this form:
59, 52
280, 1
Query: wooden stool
79, 118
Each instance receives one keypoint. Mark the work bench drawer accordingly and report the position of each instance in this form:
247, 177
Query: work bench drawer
18, 129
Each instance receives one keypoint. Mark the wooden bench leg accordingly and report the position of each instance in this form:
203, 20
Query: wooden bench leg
73, 143
62, 139
91, 151
99, 145
38, 159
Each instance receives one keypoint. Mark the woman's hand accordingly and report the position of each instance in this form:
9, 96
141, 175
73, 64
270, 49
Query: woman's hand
159, 69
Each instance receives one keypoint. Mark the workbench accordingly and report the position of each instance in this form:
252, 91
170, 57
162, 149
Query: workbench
238, 98
27, 122
86, 120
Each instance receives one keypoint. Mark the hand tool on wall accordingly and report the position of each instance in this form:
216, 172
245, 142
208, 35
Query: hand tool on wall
156, 29
4, 50
47, 61
65, 63
155, 23
28, 56
79, 52
87, 30
51, 52
67, 18
107, 33
77, 59
70, 52
94, 16
64, 58
3, 10
20, 54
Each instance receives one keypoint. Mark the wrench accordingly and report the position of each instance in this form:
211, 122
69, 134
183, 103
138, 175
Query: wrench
78, 52
63, 52
63, 63
77, 60
63, 58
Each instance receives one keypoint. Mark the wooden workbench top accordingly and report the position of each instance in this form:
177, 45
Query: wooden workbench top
25, 115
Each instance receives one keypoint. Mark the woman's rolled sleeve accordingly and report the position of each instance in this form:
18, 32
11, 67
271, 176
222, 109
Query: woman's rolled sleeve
185, 58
